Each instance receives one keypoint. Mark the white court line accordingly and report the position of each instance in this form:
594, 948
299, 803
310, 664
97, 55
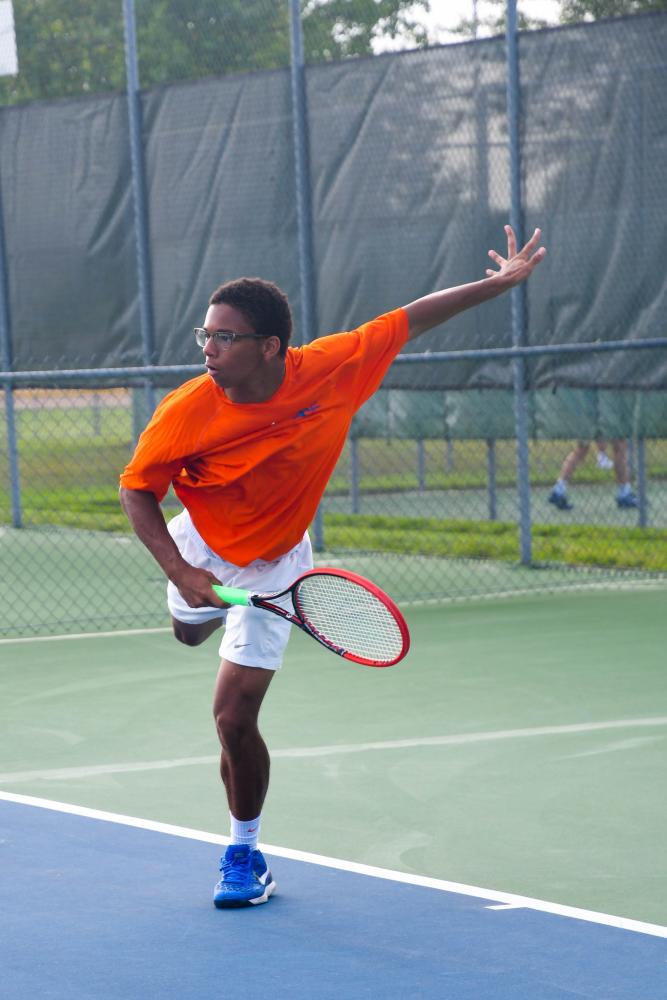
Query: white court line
84, 635
455, 739
510, 900
544, 591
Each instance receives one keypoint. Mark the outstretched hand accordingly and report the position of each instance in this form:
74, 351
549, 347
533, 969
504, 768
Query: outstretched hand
438, 307
516, 267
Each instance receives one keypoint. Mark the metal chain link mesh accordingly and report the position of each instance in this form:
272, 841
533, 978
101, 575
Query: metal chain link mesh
410, 186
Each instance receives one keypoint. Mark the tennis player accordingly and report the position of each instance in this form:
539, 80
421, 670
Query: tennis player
249, 447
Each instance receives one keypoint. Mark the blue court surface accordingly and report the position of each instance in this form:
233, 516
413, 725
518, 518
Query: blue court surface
94, 906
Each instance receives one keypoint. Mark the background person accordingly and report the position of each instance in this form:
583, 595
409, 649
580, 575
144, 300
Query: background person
602, 458
625, 497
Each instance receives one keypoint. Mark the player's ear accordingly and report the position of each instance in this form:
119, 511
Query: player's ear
271, 347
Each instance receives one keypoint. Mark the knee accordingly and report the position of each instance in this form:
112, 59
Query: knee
231, 728
187, 634
236, 703
235, 721
194, 635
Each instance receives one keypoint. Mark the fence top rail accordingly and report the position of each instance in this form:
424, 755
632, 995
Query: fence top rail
146, 371
594, 347
64, 374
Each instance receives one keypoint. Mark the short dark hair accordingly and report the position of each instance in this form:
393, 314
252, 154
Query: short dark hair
263, 305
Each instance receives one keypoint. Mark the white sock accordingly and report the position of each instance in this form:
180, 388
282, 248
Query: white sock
244, 831
560, 486
624, 490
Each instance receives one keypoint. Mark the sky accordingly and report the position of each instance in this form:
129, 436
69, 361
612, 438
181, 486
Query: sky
8, 64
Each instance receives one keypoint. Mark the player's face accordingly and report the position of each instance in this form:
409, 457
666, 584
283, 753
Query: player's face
236, 363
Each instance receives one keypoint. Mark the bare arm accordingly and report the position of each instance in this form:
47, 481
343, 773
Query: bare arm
145, 515
437, 308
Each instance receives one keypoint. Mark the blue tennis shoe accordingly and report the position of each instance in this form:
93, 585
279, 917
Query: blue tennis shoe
559, 500
246, 878
627, 500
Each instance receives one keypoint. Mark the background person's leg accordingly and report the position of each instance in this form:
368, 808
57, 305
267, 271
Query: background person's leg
625, 496
558, 496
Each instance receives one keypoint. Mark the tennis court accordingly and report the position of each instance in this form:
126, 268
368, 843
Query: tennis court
484, 819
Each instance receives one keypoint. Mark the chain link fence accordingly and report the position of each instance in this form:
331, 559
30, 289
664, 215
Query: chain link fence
421, 501
163, 148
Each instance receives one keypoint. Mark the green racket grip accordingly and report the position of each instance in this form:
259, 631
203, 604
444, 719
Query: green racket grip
232, 595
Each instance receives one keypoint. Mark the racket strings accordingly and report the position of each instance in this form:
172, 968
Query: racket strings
347, 615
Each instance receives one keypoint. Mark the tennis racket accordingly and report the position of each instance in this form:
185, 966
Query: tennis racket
347, 614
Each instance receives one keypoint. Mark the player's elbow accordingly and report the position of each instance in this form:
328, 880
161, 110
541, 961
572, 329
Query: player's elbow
127, 501
131, 500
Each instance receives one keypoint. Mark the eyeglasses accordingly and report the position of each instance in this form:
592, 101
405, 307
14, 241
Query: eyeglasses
223, 338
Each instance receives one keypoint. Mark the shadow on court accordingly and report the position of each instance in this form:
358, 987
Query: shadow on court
100, 910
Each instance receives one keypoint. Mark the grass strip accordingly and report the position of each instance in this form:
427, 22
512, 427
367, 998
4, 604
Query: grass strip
577, 545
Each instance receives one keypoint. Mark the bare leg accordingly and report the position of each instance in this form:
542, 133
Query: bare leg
621, 470
244, 762
194, 635
574, 460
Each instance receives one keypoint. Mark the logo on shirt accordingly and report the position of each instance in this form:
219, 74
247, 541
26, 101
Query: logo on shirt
307, 410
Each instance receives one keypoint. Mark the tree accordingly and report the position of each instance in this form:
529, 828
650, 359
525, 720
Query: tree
573, 11
65, 47
340, 28
493, 19
68, 47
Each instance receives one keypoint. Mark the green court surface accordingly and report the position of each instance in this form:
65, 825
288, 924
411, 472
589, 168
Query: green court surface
521, 746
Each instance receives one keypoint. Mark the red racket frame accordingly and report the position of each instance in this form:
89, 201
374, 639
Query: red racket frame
265, 602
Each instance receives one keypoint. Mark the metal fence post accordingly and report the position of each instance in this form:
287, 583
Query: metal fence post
421, 465
139, 196
6, 356
641, 483
518, 294
303, 200
492, 478
355, 476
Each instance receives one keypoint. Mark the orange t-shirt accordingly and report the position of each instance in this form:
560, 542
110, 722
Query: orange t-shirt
252, 474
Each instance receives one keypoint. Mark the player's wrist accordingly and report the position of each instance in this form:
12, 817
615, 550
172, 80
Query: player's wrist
176, 568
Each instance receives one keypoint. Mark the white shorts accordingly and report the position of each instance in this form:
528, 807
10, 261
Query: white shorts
252, 638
